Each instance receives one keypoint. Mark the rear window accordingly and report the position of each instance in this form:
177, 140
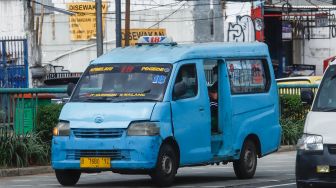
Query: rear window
248, 76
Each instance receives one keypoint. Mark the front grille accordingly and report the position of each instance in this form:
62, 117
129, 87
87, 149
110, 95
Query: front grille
113, 154
332, 149
98, 133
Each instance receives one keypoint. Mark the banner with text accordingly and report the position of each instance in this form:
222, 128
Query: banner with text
83, 23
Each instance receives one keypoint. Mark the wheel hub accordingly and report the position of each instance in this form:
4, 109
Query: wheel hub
167, 164
249, 159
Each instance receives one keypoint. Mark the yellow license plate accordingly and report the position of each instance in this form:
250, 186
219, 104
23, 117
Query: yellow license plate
95, 162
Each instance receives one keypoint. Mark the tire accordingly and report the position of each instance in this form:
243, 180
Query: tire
245, 167
166, 167
67, 177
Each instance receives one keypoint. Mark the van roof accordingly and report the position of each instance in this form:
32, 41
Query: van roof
175, 53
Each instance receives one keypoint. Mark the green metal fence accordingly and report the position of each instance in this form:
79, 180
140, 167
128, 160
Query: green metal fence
19, 106
18, 110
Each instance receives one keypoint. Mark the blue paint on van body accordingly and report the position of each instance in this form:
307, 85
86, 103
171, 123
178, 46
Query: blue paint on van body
186, 121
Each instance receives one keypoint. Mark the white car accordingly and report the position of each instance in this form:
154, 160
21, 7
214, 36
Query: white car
316, 155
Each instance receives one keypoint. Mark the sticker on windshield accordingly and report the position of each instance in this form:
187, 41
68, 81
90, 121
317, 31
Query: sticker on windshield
117, 95
153, 69
103, 94
101, 69
166, 69
132, 95
159, 79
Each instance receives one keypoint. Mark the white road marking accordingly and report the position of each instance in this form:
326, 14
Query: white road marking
93, 174
289, 170
21, 180
274, 166
279, 185
266, 180
196, 172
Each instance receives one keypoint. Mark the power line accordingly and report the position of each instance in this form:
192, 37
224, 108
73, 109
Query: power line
75, 12
140, 10
185, 19
167, 16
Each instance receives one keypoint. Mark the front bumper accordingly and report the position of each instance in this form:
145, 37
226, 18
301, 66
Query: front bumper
126, 152
307, 162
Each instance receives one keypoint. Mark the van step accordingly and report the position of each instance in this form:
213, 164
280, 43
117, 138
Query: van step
216, 143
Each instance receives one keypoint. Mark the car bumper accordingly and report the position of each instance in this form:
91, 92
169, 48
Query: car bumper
306, 166
127, 152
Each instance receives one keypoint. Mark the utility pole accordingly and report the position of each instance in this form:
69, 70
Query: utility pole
29, 7
118, 22
127, 22
99, 28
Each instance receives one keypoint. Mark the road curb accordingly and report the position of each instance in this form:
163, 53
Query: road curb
25, 171
285, 148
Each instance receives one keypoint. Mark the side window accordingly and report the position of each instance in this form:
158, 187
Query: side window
248, 76
211, 70
187, 80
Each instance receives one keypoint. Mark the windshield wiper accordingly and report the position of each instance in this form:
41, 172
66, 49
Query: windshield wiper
97, 99
137, 100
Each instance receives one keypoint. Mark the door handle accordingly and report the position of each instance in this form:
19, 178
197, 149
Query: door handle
201, 108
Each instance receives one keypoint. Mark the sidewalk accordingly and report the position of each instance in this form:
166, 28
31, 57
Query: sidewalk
25, 171
285, 148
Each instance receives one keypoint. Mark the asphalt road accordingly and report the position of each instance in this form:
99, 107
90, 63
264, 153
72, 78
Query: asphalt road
275, 170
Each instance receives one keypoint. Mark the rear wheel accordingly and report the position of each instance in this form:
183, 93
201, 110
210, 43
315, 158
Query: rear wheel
67, 177
245, 167
166, 167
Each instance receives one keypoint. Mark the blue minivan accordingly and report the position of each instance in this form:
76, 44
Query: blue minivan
159, 106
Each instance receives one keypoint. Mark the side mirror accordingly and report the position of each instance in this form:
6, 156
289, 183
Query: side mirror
307, 96
180, 89
70, 88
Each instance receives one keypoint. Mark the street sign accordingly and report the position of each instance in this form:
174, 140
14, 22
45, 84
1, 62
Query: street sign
287, 31
321, 20
83, 22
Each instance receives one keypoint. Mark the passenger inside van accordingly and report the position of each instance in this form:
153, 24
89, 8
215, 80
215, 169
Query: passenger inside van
213, 95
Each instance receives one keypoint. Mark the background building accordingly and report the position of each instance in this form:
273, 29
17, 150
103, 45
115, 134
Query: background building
297, 32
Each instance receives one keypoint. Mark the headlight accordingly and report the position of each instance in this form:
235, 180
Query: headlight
310, 142
62, 129
143, 129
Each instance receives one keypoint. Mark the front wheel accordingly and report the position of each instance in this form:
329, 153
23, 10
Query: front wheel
166, 166
245, 167
67, 177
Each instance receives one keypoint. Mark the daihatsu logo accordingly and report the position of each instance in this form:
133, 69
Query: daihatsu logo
99, 119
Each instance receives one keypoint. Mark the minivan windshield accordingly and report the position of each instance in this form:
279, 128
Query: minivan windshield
122, 83
326, 97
